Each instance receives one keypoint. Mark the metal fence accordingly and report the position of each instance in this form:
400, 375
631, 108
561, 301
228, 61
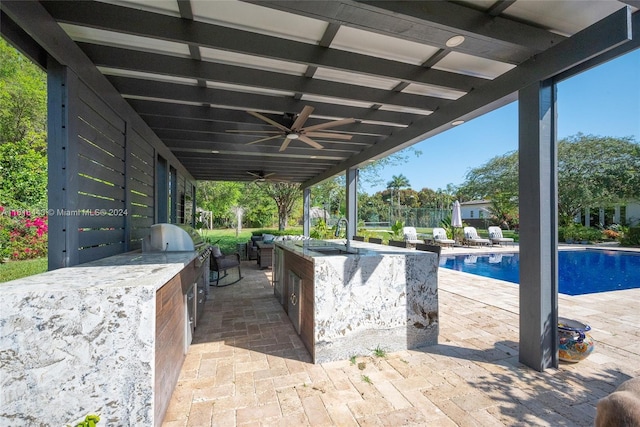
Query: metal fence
417, 217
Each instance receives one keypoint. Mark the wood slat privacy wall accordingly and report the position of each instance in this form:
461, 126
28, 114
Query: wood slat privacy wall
102, 177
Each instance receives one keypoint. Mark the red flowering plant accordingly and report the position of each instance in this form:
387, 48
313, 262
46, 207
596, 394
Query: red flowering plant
22, 236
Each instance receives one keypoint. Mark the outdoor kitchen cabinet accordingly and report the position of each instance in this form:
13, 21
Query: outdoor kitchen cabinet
111, 333
298, 285
348, 299
172, 335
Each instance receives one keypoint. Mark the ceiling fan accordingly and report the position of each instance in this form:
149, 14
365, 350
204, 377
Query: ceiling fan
298, 131
260, 176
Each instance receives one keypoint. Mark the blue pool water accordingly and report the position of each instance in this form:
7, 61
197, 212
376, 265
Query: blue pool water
579, 272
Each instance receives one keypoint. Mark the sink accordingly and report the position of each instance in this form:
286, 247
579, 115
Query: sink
327, 248
333, 250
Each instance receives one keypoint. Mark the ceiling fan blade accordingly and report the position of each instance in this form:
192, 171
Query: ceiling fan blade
328, 125
343, 136
285, 144
252, 131
310, 141
268, 120
264, 139
302, 117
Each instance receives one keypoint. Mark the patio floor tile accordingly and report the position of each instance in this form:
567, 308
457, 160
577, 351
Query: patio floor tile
247, 366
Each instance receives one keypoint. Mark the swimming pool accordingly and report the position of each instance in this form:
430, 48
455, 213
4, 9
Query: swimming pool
579, 272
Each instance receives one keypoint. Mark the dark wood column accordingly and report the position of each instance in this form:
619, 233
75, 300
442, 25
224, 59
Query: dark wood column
538, 226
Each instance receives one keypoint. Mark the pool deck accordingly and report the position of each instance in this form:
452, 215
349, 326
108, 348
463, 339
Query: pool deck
247, 367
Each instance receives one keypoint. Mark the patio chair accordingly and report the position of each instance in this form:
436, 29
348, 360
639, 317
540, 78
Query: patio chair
220, 263
440, 237
495, 234
399, 243
411, 236
375, 240
471, 237
358, 238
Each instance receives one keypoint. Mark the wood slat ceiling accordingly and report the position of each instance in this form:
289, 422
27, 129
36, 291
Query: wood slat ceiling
193, 70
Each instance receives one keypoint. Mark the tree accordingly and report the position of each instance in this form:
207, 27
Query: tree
23, 146
285, 195
397, 182
498, 175
592, 171
596, 171
23, 97
218, 197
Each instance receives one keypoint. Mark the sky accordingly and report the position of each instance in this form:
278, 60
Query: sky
602, 101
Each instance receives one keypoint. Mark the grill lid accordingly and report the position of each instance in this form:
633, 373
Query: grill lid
172, 238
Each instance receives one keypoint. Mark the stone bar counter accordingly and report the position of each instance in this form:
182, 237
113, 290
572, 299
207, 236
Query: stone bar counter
349, 301
86, 339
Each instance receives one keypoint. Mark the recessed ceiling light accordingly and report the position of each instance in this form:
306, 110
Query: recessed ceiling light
215, 151
457, 122
455, 41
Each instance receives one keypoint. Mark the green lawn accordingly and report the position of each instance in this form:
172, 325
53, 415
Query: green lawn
16, 269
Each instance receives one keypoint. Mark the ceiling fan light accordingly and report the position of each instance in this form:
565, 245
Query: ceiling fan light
293, 136
455, 41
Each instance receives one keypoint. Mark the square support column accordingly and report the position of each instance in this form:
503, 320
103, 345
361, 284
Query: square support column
538, 226
352, 201
306, 217
62, 153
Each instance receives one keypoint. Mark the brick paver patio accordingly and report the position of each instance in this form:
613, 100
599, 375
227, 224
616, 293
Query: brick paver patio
247, 366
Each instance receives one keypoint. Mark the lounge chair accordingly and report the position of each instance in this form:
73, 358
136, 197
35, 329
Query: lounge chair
440, 237
471, 237
358, 238
375, 240
495, 234
411, 236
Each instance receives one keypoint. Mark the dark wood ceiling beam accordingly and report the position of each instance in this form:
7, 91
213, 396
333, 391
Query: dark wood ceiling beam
35, 20
22, 41
180, 92
498, 7
581, 48
432, 23
154, 25
126, 59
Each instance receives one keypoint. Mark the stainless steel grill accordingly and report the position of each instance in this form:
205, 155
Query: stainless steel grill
183, 238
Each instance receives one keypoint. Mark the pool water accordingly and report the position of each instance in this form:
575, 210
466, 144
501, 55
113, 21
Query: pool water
579, 272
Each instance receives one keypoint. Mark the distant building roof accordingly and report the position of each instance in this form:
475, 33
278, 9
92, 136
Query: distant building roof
476, 202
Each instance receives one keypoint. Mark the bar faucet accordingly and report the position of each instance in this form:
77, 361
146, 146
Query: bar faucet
347, 243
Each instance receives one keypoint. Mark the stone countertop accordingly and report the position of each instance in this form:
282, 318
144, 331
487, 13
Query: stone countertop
132, 269
312, 249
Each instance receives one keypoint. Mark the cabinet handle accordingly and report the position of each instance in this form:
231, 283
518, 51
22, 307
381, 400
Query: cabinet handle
294, 299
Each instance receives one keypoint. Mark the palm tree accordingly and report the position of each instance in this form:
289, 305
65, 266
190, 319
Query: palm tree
397, 182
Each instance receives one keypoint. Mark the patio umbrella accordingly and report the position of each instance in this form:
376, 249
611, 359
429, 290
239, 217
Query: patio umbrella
456, 218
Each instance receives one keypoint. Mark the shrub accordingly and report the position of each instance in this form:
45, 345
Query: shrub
21, 236
631, 237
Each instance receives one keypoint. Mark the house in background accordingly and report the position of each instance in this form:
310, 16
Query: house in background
625, 214
476, 213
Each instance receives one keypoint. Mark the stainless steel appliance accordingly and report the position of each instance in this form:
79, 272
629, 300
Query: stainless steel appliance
180, 238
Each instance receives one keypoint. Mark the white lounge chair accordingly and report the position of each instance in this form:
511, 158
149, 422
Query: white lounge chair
471, 237
411, 236
495, 234
440, 237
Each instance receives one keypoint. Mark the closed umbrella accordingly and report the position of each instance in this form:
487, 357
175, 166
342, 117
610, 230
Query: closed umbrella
456, 218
